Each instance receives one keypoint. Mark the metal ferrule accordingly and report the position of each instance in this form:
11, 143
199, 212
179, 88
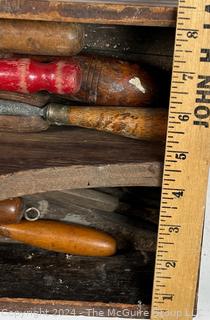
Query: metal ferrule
32, 214
57, 114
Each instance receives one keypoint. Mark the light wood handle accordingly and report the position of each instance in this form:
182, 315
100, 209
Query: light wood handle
41, 37
137, 123
61, 237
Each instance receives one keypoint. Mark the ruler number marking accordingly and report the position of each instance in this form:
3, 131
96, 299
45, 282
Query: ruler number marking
183, 117
188, 122
192, 34
170, 264
174, 229
178, 194
181, 156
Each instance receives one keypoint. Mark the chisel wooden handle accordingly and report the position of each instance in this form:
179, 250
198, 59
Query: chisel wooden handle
28, 76
41, 37
113, 82
61, 237
137, 123
11, 210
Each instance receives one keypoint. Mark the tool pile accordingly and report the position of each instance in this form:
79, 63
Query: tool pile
129, 215
67, 221
116, 95
45, 81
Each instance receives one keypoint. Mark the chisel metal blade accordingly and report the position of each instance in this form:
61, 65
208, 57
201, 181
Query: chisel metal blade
19, 109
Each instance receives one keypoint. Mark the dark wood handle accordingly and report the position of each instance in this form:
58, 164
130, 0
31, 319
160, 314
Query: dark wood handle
11, 210
61, 237
112, 82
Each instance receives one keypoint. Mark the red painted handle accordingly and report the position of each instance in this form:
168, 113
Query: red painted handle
28, 76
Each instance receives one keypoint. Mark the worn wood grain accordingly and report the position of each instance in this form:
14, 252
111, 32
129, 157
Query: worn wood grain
122, 278
40, 37
75, 308
148, 124
65, 158
22, 124
139, 12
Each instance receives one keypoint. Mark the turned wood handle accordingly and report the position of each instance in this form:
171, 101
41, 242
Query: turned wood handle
61, 237
28, 76
109, 82
137, 123
41, 37
11, 210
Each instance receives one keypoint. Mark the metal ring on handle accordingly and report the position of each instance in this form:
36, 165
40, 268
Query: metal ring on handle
32, 214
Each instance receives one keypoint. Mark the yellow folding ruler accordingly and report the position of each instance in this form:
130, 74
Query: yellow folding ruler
185, 168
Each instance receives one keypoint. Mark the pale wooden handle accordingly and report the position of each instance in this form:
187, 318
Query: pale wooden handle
137, 123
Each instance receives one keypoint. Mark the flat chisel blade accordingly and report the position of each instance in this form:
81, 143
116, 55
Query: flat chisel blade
19, 109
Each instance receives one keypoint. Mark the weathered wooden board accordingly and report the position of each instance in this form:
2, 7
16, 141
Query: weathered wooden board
122, 278
135, 12
75, 308
65, 158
